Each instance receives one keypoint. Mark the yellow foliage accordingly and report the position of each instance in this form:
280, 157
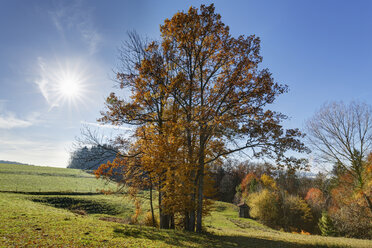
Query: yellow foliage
264, 206
148, 219
268, 181
134, 218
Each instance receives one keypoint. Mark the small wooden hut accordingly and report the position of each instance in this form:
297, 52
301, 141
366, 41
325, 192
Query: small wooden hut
243, 210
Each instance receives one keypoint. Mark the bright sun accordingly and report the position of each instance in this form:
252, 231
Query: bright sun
69, 86
65, 82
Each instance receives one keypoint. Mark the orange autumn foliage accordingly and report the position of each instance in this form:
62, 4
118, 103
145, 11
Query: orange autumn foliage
343, 193
247, 181
193, 94
315, 197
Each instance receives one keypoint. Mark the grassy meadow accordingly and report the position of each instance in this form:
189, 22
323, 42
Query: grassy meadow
50, 207
27, 178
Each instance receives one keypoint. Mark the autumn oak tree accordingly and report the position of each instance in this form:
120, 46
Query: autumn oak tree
198, 95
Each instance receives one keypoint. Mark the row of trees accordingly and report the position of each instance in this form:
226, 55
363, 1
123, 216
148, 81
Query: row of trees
327, 204
335, 203
197, 96
341, 135
90, 158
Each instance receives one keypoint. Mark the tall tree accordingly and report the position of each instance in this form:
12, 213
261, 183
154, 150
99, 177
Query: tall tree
222, 92
203, 87
342, 135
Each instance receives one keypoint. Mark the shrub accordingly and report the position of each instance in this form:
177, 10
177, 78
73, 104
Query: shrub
296, 213
148, 219
353, 220
326, 226
264, 207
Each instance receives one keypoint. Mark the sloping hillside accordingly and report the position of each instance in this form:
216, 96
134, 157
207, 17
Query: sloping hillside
39, 219
27, 178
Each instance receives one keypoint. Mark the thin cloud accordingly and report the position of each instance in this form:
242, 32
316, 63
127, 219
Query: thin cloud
10, 121
107, 126
42, 83
74, 18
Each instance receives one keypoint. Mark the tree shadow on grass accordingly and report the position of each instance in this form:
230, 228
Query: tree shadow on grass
50, 192
188, 239
73, 204
220, 208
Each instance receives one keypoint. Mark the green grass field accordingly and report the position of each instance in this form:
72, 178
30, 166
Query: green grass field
27, 178
37, 219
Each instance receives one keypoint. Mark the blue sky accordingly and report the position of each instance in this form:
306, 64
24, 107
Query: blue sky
320, 49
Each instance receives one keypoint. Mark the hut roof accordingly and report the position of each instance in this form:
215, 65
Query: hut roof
243, 205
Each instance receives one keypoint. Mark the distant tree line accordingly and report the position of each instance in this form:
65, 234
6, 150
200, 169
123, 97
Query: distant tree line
12, 162
90, 158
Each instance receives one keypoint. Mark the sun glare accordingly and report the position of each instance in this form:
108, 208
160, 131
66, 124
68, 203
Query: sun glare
64, 82
69, 86
69, 80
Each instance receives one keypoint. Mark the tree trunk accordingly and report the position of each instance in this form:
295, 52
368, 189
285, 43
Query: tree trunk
172, 225
368, 201
200, 205
164, 221
191, 227
189, 221
163, 218
186, 221
190, 215
199, 211
152, 207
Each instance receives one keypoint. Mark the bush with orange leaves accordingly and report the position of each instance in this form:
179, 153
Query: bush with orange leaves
349, 212
248, 181
315, 197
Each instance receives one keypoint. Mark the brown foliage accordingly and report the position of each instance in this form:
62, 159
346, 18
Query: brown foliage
315, 197
194, 94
